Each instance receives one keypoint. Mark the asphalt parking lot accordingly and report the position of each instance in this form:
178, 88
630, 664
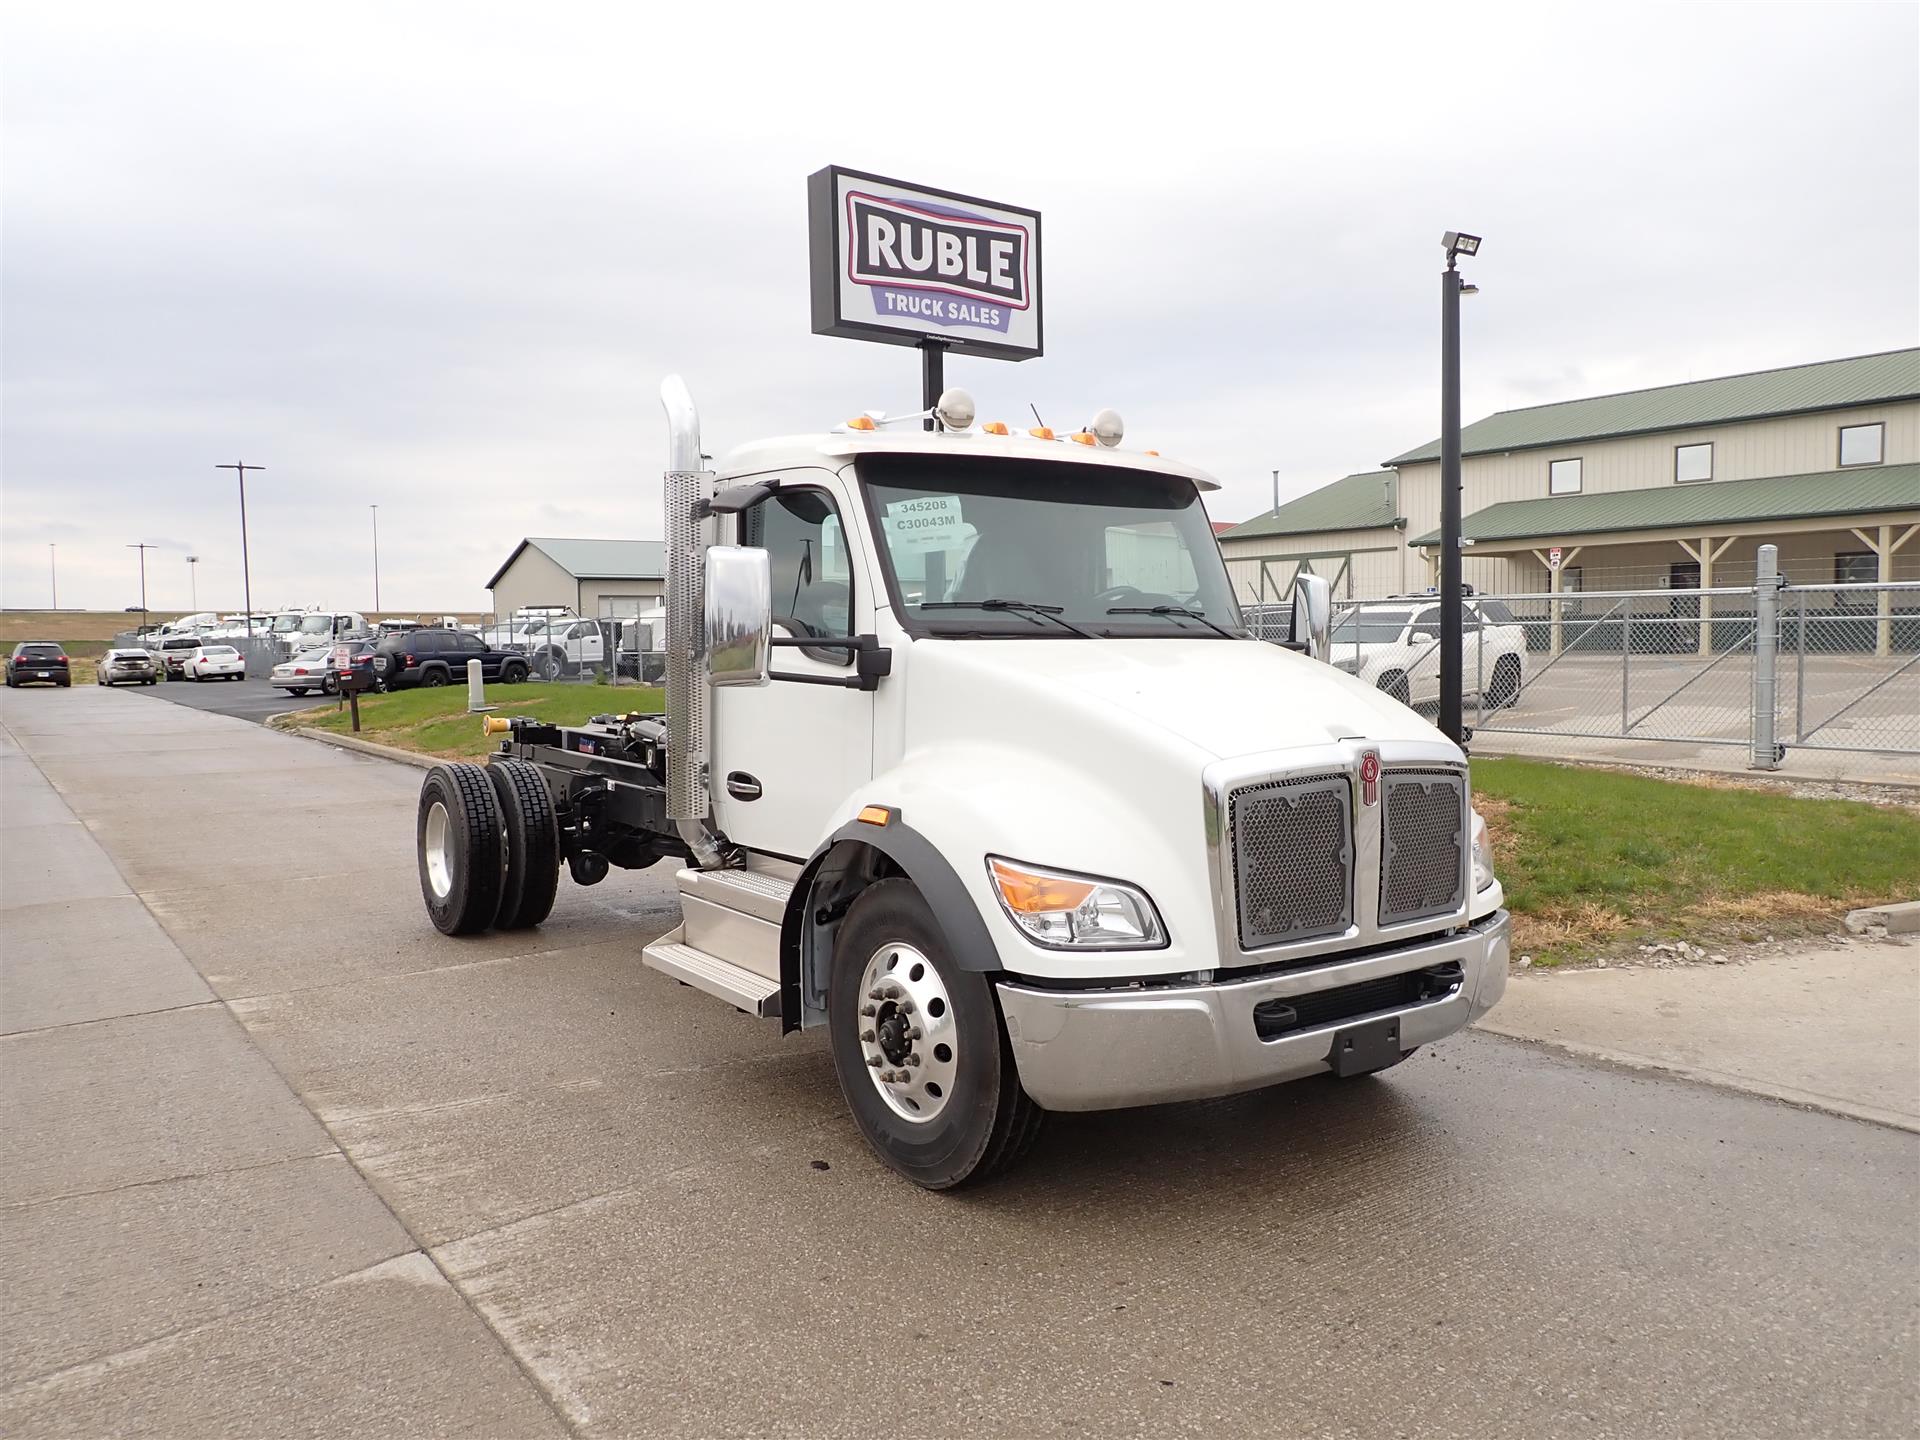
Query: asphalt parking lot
351, 1176
249, 699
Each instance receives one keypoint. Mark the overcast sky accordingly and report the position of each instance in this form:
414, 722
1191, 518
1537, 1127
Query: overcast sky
437, 258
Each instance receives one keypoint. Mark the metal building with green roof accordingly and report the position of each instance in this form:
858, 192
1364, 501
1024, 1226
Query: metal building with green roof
1670, 487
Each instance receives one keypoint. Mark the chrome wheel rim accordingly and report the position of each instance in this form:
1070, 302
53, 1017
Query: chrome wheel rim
438, 851
908, 1040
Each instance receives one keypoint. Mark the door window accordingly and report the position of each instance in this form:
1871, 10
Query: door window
806, 549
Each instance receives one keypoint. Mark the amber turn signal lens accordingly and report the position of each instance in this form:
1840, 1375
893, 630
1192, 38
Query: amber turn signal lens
861, 422
1029, 894
994, 427
874, 815
1082, 437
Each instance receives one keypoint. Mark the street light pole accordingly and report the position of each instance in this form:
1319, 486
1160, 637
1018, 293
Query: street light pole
143, 547
193, 580
53, 570
376, 555
1451, 677
246, 579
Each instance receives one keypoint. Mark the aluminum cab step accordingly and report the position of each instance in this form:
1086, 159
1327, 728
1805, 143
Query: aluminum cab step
734, 915
723, 980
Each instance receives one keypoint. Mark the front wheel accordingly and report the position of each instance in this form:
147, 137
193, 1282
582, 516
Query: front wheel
918, 1046
433, 679
1506, 682
1394, 682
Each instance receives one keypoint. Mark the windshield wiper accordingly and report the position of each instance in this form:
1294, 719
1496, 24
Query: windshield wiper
1018, 607
1177, 610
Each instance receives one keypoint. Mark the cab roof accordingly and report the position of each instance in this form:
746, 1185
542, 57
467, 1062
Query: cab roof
837, 448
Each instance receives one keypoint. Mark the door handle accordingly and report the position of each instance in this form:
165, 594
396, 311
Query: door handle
742, 786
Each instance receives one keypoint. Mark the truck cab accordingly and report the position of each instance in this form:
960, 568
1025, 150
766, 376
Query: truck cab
967, 758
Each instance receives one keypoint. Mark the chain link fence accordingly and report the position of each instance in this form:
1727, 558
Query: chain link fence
1759, 666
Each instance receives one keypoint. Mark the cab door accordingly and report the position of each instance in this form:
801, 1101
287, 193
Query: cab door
788, 753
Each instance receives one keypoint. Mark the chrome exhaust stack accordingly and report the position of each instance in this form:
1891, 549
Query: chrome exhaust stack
689, 802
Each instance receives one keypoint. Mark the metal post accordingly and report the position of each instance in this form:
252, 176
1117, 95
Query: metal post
1450, 676
53, 569
193, 581
1626, 659
932, 377
376, 555
143, 547
1276, 492
246, 574
1766, 646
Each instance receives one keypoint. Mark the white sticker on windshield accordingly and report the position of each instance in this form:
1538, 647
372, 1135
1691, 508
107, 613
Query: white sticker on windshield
931, 522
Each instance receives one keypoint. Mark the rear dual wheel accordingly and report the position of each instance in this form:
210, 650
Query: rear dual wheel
489, 847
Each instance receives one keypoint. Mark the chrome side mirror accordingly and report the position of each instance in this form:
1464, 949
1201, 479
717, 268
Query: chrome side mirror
1312, 627
738, 623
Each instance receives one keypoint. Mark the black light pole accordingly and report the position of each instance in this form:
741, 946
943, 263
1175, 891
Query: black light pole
376, 555
1451, 679
932, 377
246, 580
53, 570
143, 547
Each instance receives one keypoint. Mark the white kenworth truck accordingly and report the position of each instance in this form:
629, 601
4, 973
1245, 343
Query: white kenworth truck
966, 757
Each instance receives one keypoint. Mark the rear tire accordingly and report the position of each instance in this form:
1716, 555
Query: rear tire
457, 836
533, 844
980, 1120
1506, 682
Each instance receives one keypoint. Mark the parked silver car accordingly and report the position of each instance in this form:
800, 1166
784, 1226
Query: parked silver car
309, 670
127, 667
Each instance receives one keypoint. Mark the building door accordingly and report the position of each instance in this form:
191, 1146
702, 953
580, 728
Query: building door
786, 755
1684, 634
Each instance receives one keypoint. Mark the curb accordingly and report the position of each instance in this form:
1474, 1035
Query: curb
365, 747
1718, 1079
1492, 750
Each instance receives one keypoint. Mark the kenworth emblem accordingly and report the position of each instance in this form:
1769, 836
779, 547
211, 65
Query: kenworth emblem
1370, 778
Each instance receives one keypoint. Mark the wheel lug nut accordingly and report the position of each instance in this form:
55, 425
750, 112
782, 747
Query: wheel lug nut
867, 1012
906, 1007
914, 1058
876, 993
867, 1036
874, 1061
915, 1033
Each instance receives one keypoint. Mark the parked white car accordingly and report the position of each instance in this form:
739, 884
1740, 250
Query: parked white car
1394, 645
309, 670
216, 662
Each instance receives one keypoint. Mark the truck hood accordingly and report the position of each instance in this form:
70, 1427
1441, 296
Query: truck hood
1224, 697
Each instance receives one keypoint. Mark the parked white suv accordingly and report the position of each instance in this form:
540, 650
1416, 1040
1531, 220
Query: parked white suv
1394, 645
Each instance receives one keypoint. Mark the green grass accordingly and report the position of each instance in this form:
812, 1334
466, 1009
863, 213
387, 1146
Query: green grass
436, 722
1594, 859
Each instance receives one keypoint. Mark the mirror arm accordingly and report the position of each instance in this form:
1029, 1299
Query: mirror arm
872, 661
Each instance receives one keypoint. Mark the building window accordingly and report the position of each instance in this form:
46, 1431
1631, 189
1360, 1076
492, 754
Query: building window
1857, 567
1563, 477
1692, 462
1863, 444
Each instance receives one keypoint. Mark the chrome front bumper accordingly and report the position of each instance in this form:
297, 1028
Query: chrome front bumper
1104, 1049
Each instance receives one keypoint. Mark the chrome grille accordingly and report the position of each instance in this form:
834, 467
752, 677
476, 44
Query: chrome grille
1423, 838
1292, 858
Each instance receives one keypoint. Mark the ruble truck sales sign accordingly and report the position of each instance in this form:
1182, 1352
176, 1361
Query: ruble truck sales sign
901, 264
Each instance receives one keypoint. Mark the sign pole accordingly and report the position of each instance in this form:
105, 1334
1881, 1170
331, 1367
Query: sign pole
932, 376
1450, 618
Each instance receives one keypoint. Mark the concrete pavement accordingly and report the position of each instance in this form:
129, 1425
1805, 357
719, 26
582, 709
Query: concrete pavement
1835, 1028
520, 1184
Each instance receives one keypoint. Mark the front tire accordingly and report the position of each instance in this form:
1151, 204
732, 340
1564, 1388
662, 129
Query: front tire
1394, 683
457, 835
434, 679
533, 844
1506, 682
917, 1042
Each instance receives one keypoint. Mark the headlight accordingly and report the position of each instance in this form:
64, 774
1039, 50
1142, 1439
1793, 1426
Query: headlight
1482, 855
1063, 911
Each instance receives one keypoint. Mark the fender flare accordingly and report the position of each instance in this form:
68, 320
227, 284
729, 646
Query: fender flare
922, 863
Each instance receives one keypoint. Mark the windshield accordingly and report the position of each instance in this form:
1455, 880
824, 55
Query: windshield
317, 625
1371, 627
286, 624
1062, 548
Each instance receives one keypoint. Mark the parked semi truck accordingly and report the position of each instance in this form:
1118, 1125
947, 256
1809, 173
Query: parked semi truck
966, 758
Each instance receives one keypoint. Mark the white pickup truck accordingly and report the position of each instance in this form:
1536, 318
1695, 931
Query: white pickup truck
967, 759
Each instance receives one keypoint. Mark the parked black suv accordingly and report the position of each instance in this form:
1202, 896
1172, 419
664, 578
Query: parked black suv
439, 657
38, 662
